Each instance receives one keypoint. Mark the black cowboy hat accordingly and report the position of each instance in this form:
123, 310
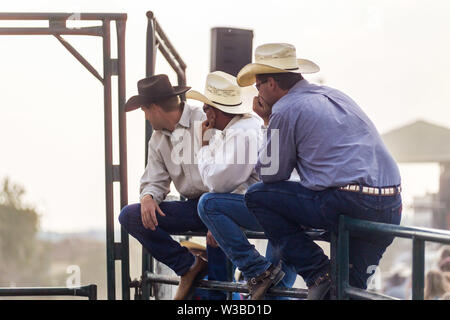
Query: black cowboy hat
152, 89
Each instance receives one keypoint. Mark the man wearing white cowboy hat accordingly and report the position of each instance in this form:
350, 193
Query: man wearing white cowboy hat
226, 163
343, 164
151, 221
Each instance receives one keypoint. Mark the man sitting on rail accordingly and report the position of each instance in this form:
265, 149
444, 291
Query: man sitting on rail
177, 127
226, 163
343, 164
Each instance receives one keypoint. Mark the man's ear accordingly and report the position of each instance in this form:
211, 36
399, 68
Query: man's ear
272, 83
155, 107
212, 113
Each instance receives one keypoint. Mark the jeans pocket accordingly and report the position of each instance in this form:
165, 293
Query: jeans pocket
396, 214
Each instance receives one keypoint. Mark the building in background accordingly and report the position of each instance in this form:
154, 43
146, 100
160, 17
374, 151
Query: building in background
422, 142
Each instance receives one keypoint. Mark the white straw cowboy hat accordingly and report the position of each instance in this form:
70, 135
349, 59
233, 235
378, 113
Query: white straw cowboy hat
221, 92
274, 58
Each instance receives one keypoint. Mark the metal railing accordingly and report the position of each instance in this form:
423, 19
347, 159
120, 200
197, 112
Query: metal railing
89, 291
418, 235
153, 278
111, 67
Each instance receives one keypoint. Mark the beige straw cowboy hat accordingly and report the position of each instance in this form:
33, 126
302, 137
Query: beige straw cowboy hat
274, 58
221, 92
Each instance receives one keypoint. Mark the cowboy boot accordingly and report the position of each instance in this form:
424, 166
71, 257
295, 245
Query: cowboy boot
259, 285
197, 271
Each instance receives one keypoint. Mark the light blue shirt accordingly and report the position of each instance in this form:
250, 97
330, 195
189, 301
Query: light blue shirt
326, 136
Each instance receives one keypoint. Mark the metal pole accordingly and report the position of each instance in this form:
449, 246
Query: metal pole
147, 261
79, 57
125, 256
418, 269
342, 259
110, 261
88, 31
61, 16
89, 291
334, 268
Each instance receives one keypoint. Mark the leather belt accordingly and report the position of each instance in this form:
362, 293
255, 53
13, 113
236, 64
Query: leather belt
382, 191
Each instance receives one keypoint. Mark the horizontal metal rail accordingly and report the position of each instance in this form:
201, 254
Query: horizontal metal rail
89, 291
90, 31
432, 235
150, 277
61, 16
366, 295
315, 234
418, 235
228, 286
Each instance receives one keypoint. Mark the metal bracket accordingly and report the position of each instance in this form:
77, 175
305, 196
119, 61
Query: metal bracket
57, 24
116, 172
114, 67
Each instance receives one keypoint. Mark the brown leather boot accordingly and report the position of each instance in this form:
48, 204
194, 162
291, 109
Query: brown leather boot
259, 285
197, 271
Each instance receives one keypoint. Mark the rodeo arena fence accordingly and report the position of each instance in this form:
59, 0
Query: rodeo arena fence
119, 251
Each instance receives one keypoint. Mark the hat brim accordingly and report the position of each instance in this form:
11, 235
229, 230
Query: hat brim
135, 102
239, 109
246, 77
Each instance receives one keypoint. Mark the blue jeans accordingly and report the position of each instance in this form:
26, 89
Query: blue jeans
225, 215
181, 216
285, 208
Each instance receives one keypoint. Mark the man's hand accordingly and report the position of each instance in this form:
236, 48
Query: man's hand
210, 241
148, 212
206, 125
262, 109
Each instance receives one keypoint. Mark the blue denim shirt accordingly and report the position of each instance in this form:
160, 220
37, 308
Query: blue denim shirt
326, 136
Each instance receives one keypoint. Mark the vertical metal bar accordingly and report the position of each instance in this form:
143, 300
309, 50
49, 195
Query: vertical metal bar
147, 261
230, 277
342, 259
418, 269
182, 82
110, 261
92, 292
120, 26
334, 265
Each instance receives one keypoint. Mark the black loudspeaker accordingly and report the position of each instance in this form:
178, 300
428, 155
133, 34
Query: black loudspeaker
231, 49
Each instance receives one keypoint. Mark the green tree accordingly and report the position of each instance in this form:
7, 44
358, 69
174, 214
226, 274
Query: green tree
22, 257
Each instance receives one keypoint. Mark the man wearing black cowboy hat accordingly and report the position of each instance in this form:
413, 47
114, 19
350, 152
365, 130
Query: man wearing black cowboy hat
151, 221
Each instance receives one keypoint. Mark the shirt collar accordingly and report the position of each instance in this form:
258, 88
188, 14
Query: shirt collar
300, 85
235, 119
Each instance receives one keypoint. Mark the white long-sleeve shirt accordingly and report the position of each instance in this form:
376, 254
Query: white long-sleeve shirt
226, 165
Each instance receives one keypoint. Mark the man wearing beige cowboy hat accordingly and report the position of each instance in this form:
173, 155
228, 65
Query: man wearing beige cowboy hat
151, 221
344, 167
237, 133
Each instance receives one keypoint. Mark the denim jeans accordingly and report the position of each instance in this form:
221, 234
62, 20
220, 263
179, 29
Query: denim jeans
225, 215
285, 208
181, 216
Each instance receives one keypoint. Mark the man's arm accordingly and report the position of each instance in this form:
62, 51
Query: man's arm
156, 180
155, 185
226, 163
278, 156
